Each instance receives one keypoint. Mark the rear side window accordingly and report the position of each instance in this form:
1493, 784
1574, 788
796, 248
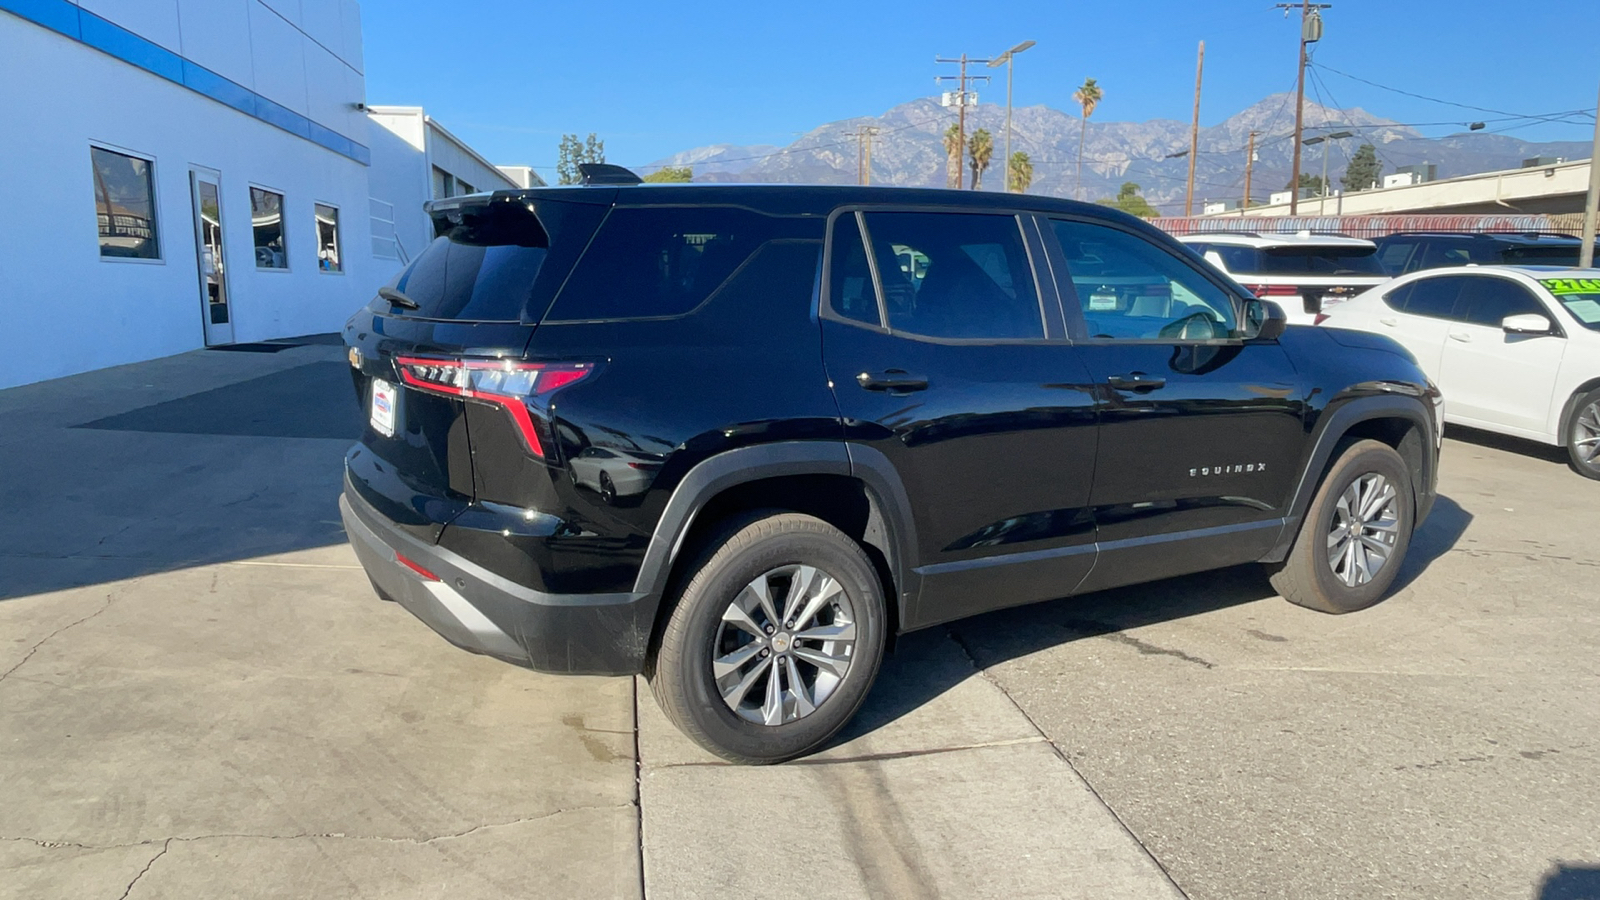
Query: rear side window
1432, 297
1543, 256
1394, 256
850, 290
955, 275
655, 262
1238, 259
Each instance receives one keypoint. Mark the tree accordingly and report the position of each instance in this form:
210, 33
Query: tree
981, 149
1019, 174
1088, 96
573, 152
1130, 201
670, 174
1314, 182
1364, 170
952, 152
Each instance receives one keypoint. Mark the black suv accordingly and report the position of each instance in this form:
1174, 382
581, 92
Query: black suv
1409, 251
737, 438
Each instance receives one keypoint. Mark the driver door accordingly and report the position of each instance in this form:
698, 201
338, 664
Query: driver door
1201, 432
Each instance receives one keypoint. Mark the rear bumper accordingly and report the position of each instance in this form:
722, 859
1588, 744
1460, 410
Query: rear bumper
477, 610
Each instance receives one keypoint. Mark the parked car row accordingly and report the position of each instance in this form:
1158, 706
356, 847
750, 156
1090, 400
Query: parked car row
1505, 324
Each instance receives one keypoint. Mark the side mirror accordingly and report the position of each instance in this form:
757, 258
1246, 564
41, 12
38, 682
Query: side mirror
1526, 323
1264, 320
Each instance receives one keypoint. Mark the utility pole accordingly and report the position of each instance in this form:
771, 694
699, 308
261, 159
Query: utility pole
1586, 252
863, 152
1249, 165
1310, 32
962, 101
1194, 132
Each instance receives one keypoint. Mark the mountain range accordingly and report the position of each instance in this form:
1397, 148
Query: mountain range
909, 150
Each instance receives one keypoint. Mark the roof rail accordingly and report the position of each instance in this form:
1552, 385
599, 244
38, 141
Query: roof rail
605, 173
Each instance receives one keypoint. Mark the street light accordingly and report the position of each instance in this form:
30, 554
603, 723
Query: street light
1007, 58
1322, 202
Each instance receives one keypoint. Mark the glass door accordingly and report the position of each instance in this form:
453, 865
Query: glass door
206, 192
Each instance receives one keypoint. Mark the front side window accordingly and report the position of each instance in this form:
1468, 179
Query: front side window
328, 256
1132, 289
955, 275
1489, 300
266, 221
124, 200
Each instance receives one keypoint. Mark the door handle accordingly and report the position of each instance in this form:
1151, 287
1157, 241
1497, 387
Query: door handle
892, 380
1389, 322
1461, 336
1138, 382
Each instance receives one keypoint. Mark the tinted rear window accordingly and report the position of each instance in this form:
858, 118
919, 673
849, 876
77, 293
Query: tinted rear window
1319, 261
654, 262
482, 269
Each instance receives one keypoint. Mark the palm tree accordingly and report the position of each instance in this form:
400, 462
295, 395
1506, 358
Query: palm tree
952, 152
981, 146
1088, 96
1019, 174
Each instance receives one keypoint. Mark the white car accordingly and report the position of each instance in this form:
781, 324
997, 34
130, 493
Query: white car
1515, 349
1304, 273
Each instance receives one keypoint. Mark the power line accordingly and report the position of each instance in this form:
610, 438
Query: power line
1583, 112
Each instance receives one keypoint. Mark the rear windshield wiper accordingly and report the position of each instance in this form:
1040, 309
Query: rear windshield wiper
397, 298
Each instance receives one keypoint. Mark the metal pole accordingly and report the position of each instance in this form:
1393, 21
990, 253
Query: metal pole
1322, 202
1249, 164
1194, 132
1011, 59
961, 107
1586, 252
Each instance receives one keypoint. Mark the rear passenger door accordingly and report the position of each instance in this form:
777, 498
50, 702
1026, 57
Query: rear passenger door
947, 357
1489, 376
1418, 317
1201, 432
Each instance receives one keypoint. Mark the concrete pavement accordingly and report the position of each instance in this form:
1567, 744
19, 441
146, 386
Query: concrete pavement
200, 696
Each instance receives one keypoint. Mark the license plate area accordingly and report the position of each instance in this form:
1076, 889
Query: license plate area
384, 404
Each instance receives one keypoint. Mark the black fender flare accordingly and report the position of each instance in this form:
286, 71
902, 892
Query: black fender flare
1331, 428
731, 468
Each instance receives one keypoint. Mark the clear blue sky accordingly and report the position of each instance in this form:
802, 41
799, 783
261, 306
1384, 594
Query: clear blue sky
655, 78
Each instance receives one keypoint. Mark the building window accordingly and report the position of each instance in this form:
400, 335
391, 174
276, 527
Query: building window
124, 199
266, 221
444, 184
328, 259
463, 188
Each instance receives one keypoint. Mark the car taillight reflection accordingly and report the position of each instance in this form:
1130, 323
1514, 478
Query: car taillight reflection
508, 384
1273, 290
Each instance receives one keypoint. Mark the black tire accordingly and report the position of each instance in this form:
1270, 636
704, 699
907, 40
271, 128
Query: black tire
608, 489
749, 549
1307, 577
1581, 433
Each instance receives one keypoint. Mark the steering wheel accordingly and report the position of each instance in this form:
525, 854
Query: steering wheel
1198, 326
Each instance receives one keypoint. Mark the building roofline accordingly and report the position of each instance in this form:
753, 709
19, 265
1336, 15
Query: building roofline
434, 124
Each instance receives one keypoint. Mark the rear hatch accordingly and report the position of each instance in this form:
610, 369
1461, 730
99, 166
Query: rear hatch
1319, 274
440, 347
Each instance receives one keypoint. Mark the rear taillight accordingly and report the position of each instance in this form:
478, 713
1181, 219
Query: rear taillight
1321, 317
508, 384
1273, 290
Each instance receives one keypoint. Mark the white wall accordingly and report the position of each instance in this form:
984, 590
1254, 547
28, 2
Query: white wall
67, 310
400, 176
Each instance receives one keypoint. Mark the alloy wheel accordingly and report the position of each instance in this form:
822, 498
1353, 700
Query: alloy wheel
1586, 435
784, 645
1366, 527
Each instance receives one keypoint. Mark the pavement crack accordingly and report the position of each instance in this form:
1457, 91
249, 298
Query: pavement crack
165, 846
110, 599
988, 676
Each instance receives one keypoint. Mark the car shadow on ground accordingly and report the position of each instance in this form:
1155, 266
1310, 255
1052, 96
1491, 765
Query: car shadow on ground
1570, 882
1507, 443
917, 672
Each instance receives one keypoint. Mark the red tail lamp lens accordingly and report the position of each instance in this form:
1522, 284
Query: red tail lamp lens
411, 564
1274, 290
508, 384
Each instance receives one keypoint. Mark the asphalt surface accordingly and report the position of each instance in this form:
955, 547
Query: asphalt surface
200, 696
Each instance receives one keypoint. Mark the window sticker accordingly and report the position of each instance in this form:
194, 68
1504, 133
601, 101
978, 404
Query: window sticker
1587, 311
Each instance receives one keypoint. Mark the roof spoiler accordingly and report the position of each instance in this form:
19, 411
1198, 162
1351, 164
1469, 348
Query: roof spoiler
605, 173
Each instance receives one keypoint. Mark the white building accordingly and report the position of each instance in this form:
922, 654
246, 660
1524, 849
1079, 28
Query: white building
188, 173
414, 160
